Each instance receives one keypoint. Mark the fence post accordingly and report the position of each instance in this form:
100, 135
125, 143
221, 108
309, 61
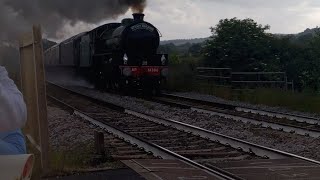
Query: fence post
99, 143
34, 92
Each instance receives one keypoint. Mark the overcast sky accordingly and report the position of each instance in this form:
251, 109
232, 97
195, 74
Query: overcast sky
180, 19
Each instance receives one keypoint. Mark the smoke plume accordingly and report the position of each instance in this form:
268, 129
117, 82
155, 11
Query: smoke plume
139, 7
16, 16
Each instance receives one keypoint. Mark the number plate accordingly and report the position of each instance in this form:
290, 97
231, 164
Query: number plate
152, 70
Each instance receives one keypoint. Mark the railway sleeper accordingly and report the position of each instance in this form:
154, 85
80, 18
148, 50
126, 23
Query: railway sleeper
224, 159
196, 155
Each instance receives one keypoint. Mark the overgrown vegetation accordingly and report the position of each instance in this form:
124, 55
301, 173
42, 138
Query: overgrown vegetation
245, 45
306, 102
79, 159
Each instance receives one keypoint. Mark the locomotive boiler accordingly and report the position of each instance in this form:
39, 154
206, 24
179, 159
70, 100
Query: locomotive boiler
118, 56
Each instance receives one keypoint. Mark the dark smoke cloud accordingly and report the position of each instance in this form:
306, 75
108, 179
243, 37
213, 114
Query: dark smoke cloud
9, 58
18, 15
139, 7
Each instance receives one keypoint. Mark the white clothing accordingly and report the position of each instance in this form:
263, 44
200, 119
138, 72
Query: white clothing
13, 110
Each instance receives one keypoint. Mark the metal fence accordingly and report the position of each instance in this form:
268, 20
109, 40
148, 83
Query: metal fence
221, 76
241, 80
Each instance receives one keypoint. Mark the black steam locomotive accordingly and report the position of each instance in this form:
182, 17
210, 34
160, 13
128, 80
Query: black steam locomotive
115, 56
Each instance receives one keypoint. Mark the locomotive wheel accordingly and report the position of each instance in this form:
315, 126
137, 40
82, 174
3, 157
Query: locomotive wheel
109, 86
100, 85
147, 91
97, 85
157, 91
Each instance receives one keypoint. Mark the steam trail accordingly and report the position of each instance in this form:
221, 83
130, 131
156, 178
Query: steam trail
18, 15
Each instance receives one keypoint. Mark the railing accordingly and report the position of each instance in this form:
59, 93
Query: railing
251, 80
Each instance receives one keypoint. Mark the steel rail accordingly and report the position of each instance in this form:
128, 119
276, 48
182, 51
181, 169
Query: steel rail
147, 146
227, 140
271, 113
288, 116
273, 125
294, 117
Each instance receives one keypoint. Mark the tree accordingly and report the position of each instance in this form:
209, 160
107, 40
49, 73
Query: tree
311, 65
299, 59
195, 49
242, 45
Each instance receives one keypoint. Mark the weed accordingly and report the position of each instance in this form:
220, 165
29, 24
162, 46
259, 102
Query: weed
182, 78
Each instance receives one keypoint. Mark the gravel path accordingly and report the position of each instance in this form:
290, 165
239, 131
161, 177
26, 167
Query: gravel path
68, 131
72, 144
300, 145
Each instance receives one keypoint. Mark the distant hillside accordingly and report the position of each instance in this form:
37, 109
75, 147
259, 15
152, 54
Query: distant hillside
309, 31
179, 42
305, 36
187, 43
300, 38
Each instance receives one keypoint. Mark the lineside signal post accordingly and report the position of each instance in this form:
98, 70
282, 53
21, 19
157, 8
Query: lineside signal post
34, 92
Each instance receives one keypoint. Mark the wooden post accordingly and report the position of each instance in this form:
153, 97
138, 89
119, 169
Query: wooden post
34, 91
99, 143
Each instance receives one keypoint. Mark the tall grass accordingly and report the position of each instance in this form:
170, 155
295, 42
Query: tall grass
306, 102
181, 73
182, 78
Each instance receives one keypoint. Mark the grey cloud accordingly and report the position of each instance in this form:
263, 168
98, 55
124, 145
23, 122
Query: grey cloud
258, 3
285, 16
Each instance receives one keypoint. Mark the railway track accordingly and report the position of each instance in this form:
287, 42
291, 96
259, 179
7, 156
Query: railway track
301, 125
226, 157
103, 114
117, 149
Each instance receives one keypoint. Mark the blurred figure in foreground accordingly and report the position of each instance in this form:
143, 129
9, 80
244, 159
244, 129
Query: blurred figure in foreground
13, 115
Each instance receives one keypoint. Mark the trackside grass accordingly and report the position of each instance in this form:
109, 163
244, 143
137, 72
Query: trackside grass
182, 78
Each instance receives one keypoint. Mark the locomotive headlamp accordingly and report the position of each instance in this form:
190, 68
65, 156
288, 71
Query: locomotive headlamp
125, 59
127, 72
163, 60
165, 72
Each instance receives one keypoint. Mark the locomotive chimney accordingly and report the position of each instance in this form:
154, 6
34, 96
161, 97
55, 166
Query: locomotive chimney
138, 16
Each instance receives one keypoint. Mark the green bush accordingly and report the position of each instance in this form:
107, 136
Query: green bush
181, 78
181, 74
